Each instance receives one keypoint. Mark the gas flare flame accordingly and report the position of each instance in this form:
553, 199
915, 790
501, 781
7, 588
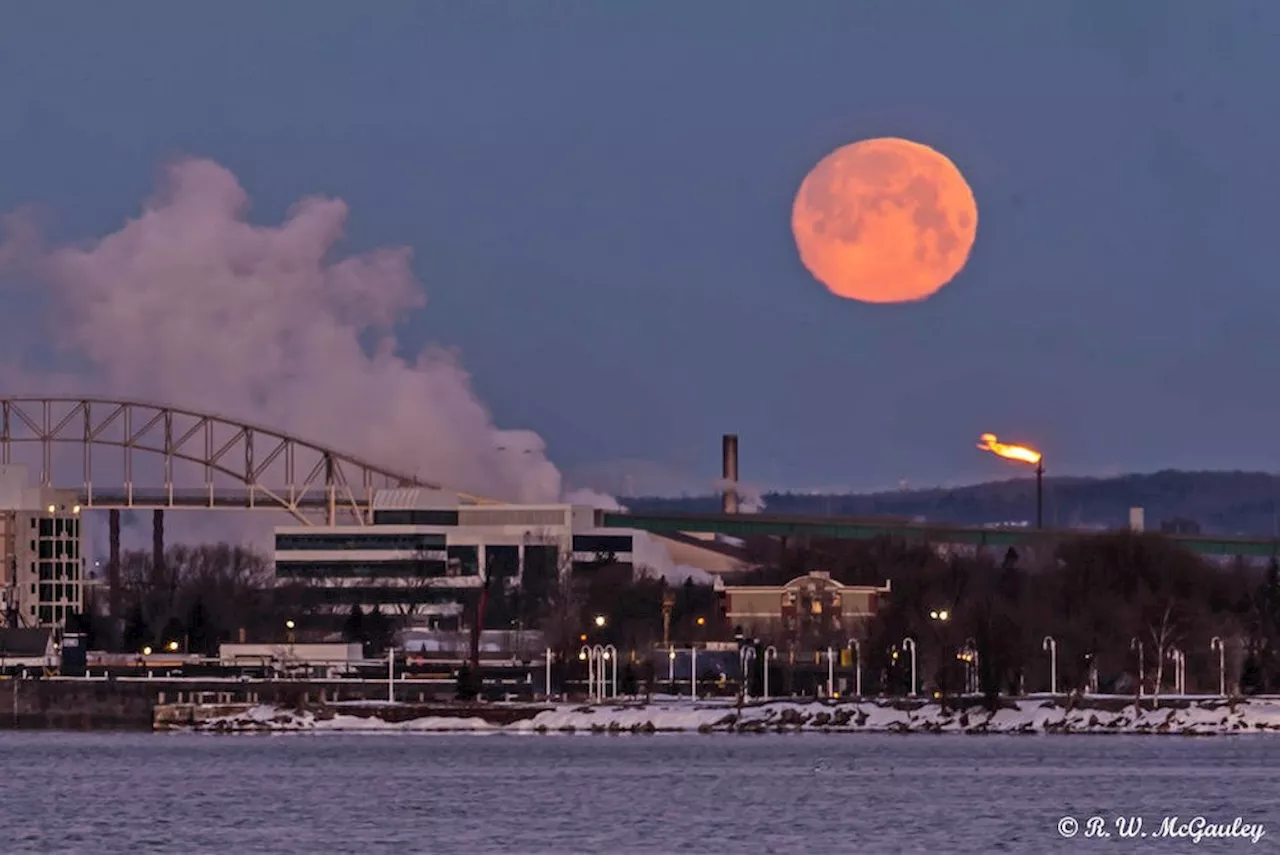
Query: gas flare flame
1009, 452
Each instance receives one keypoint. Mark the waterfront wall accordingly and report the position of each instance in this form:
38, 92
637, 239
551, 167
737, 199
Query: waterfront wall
92, 704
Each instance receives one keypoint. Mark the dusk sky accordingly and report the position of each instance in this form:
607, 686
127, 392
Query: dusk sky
597, 196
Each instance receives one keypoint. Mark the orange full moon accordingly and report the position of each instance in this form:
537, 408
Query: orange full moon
884, 221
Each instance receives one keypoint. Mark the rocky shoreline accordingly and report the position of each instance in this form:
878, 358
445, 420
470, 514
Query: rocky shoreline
1096, 715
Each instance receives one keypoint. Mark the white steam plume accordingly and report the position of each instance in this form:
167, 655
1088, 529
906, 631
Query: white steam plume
190, 304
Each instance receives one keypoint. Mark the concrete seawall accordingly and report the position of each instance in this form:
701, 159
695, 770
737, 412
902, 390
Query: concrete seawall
97, 704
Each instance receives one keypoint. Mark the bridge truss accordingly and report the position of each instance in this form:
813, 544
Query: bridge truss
133, 454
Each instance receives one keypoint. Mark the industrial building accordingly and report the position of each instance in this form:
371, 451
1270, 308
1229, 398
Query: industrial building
425, 550
42, 571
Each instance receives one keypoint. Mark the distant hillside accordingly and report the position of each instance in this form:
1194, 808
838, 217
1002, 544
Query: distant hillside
1240, 503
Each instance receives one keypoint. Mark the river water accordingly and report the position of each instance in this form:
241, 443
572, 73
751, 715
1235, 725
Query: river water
337, 793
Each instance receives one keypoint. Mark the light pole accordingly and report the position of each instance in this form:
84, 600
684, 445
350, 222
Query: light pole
910, 644
610, 654
587, 655
391, 675
831, 673
970, 654
746, 657
548, 675
856, 647
1135, 643
770, 654
1216, 644
1051, 645
693, 672
1179, 670
671, 668
601, 657
1022, 454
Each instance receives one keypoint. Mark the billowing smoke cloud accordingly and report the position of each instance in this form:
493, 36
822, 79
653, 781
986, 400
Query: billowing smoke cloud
190, 304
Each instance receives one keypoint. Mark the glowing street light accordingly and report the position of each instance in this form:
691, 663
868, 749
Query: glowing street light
172, 647
940, 614
146, 651
600, 621
1021, 454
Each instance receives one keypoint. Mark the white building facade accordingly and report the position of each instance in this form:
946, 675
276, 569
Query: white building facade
42, 573
425, 554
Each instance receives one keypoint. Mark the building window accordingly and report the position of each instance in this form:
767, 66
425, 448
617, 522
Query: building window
607, 544
404, 569
355, 541
466, 559
46, 527
431, 517
46, 614
502, 562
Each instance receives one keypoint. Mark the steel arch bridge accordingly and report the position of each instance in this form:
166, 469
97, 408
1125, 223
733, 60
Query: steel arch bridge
202, 460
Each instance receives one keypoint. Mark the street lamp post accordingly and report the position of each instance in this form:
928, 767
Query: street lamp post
391, 675
610, 654
693, 672
588, 655
548, 674
770, 654
831, 673
856, 647
910, 644
1135, 643
671, 668
746, 657
1051, 645
970, 654
1216, 644
1179, 670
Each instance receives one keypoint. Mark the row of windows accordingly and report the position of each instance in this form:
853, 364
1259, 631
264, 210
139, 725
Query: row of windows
53, 614
402, 597
436, 517
50, 571
367, 570
58, 549
57, 526
614, 543
58, 592
388, 542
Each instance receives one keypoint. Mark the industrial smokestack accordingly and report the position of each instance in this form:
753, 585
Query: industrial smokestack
730, 474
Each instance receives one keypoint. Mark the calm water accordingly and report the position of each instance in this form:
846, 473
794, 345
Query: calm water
106, 793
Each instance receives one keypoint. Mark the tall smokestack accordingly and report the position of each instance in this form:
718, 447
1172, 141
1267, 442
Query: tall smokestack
157, 546
113, 560
729, 446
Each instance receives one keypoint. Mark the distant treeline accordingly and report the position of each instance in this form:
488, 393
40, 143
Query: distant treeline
1236, 503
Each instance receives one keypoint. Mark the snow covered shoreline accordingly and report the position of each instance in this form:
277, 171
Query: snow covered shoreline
1198, 717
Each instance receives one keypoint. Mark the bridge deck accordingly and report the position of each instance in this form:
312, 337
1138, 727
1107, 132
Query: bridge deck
854, 528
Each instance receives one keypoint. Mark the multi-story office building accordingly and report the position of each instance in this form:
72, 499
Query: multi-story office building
425, 551
42, 575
